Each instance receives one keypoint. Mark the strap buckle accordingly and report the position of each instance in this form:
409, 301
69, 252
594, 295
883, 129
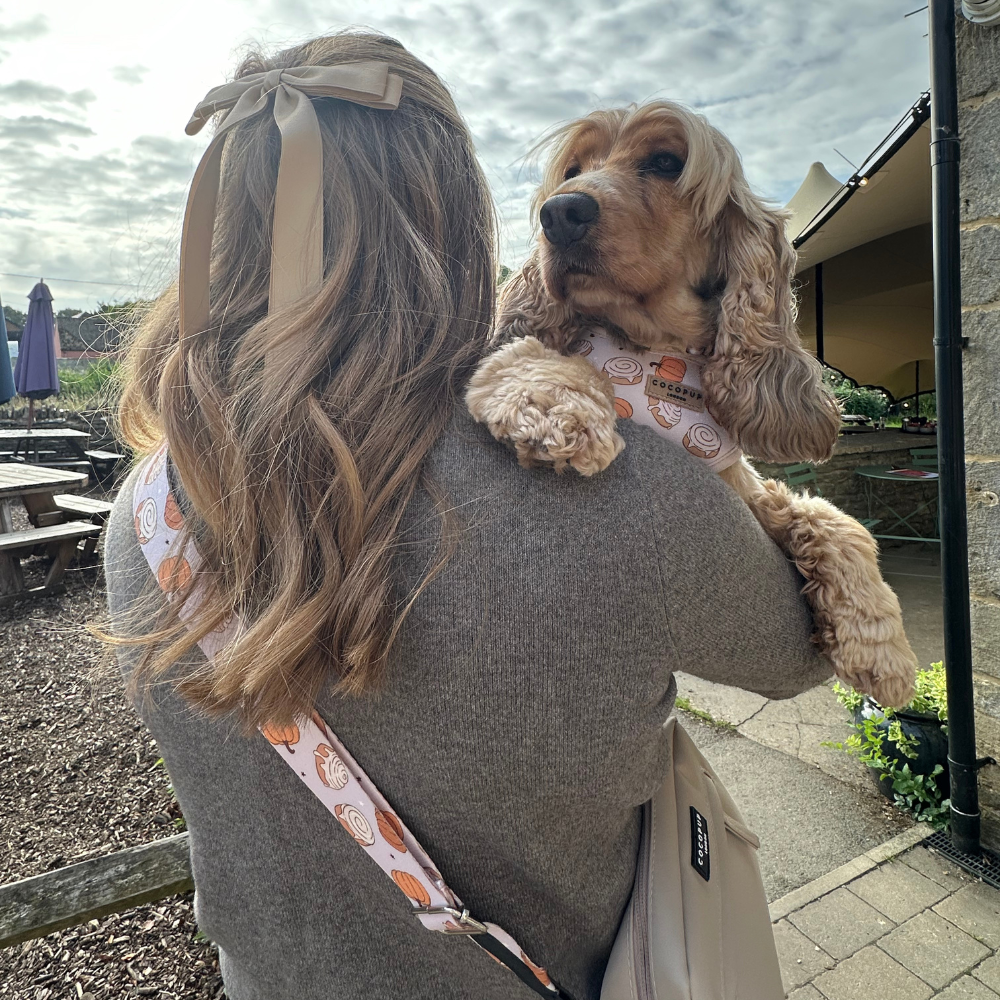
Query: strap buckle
466, 923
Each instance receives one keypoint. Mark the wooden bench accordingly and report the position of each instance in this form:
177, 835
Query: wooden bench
75, 508
59, 539
104, 462
73, 895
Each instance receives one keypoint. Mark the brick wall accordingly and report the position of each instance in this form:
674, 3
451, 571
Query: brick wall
979, 124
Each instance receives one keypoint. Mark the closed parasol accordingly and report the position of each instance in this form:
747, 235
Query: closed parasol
35, 374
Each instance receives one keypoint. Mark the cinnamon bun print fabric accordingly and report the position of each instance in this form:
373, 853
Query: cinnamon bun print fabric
687, 422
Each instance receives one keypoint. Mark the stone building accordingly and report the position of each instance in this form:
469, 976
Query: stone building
979, 125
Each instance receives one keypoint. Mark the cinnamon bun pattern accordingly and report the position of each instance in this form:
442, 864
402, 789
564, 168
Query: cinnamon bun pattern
623, 370
334, 777
663, 391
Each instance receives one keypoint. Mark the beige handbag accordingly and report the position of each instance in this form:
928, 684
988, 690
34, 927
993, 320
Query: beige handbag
697, 926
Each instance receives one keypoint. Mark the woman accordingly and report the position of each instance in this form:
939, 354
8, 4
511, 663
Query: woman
494, 646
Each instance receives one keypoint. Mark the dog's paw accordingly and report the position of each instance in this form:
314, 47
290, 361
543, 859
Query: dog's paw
554, 410
872, 654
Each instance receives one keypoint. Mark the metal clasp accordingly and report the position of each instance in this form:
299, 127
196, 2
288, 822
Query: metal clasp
466, 923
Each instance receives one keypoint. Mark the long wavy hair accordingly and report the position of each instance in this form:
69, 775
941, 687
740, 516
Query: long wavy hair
300, 437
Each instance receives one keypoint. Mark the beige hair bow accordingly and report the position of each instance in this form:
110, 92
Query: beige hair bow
297, 231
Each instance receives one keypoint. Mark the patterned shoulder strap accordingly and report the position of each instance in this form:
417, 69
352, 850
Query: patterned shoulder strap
333, 775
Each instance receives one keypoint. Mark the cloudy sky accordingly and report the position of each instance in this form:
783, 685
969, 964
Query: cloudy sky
94, 95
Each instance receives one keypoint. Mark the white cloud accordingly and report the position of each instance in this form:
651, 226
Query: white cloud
97, 164
129, 74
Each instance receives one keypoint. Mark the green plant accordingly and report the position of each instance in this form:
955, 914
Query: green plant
96, 384
917, 794
684, 704
861, 400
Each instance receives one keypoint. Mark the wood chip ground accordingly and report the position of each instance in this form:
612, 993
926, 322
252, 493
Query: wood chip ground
80, 777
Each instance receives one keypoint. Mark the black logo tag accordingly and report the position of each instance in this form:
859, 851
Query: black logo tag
700, 855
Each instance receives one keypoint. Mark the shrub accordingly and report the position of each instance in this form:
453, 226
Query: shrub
918, 794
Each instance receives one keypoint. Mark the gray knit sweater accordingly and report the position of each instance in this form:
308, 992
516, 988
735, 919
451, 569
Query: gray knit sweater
517, 734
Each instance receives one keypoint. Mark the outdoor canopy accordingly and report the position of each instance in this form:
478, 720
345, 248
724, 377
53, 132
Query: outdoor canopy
871, 237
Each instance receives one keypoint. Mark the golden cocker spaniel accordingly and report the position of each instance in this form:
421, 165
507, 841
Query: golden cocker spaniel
651, 234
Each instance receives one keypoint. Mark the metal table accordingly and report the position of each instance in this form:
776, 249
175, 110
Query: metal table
872, 475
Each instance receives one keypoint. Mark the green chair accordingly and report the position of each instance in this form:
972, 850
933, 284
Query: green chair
924, 458
805, 474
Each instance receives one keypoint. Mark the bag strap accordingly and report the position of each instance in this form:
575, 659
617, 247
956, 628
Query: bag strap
333, 775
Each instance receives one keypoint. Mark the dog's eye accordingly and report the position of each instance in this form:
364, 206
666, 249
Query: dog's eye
571, 172
667, 165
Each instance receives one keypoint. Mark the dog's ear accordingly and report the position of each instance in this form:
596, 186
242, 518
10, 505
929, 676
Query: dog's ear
763, 386
526, 309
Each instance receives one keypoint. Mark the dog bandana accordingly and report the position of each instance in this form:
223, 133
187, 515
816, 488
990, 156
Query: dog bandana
663, 391
315, 754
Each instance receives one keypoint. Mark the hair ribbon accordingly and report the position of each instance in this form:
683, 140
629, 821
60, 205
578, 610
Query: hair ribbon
297, 228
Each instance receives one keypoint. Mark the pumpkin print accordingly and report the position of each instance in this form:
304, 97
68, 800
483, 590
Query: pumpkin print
172, 513
672, 369
174, 573
356, 824
145, 520
411, 887
623, 407
282, 735
331, 769
391, 829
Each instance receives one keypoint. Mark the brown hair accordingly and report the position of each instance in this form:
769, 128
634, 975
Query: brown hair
300, 437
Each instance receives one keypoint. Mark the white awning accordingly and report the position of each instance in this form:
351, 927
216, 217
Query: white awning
873, 237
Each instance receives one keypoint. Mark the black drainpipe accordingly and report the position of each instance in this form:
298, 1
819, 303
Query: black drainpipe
965, 817
820, 350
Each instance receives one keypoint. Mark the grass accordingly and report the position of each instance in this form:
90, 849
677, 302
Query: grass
684, 704
95, 385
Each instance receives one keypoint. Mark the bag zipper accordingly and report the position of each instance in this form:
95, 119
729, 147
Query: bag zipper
640, 911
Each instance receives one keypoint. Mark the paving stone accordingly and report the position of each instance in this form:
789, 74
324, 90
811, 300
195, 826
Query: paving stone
722, 702
871, 973
976, 909
967, 988
931, 864
989, 973
933, 949
806, 993
801, 960
841, 923
898, 891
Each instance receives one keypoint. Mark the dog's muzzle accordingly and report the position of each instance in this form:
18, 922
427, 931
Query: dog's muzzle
565, 218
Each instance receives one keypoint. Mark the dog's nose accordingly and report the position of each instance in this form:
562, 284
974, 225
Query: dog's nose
566, 218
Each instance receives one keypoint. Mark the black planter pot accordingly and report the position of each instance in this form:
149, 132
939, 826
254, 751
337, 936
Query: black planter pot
931, 749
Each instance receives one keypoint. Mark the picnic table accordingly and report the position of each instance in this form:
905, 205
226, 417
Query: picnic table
36, 487
23, 442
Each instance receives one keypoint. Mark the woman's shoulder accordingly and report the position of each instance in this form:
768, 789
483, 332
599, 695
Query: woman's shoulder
652, 480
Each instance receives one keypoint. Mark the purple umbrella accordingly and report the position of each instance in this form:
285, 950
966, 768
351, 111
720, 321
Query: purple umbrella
35, 374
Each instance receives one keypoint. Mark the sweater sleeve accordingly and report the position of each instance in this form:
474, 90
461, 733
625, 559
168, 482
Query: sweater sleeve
736, 612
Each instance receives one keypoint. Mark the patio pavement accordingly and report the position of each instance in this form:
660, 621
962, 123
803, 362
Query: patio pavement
860, 908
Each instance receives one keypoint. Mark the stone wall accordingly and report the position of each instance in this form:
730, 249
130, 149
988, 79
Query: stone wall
840, 484
979, 126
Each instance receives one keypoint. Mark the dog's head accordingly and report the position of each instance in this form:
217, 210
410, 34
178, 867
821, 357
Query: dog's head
648, 225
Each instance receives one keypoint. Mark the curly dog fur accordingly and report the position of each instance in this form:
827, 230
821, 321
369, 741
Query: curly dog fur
680, 255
